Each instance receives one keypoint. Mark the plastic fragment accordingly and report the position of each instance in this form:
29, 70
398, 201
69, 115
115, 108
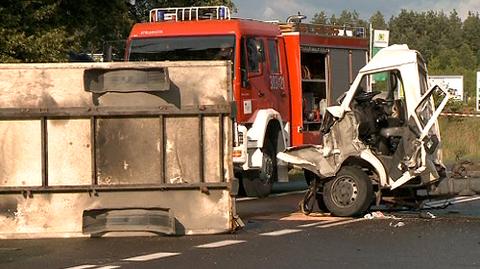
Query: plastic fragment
397, 225
379, 215
374, 215
427, 215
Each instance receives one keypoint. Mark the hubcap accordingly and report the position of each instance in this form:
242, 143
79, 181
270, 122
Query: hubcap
344, 191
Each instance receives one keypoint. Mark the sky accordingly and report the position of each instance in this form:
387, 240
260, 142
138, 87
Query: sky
281, 9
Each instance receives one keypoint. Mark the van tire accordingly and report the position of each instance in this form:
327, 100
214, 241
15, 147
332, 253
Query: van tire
309, 177
349, 193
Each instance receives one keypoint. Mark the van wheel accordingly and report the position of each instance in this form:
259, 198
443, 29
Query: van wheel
259, 183
321, 204
349, 193
310, 177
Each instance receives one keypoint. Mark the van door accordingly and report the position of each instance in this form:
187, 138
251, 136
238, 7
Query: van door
420, 141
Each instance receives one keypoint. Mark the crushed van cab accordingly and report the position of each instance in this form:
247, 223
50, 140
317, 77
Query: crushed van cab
378, 141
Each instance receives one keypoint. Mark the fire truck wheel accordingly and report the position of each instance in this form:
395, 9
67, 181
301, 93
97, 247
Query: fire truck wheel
349, 193
259, 183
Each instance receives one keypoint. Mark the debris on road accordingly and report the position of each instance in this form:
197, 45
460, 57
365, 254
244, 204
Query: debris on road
426, 215
374, 215
379, 215
397, 225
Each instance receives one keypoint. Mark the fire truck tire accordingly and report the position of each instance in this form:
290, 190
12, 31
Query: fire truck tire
259, 183
349, 193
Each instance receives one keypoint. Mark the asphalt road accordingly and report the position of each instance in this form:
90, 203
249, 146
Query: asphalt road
276, 236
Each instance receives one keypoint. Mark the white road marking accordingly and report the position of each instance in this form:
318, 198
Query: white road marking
339, 223
109, 267
281, 232
152, 256
85, 266
452, 201
444, 201
310, 224
321, 223
221, 243
474, 198
244, 199
287, 193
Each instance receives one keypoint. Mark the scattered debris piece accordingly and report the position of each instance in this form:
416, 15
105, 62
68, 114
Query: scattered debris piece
461, 168
427, 215
379, 215
374, 215
397, 225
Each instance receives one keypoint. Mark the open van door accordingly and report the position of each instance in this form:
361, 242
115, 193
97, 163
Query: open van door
420, 140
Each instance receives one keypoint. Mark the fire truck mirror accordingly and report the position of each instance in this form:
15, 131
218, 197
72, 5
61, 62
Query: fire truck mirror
99, 80
244, 74
260, 51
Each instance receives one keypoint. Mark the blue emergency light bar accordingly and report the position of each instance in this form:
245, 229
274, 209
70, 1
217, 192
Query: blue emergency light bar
190, 13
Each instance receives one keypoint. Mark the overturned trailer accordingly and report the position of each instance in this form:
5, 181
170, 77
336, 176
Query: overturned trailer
382, 143
92, 148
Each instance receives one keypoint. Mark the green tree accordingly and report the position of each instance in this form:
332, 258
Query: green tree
402, 29
45, 31
320, 18
378, 21
471, 33
31, 31
348, 18
91, 24
454, 30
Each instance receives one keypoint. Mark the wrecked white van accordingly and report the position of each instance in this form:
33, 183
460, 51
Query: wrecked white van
380, 143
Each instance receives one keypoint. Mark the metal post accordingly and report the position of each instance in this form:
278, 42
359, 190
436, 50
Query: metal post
44, 141
162, 149
93, 148
220, 147
201, 148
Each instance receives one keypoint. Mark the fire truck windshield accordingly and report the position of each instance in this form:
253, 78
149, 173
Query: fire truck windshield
182, 48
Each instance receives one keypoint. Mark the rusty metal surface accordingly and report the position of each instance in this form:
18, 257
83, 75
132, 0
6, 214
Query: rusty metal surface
98, 222
20, 153
102, 80
62, 85
62, 144
117, 134
28, 191
69, 155
61, 214
127, 151
81, 112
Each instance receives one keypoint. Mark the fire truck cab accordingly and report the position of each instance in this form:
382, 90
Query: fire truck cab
283, 76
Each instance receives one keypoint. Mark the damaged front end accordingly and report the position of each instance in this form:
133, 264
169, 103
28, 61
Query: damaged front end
381, 141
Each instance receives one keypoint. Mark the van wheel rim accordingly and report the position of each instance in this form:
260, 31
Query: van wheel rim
344, 191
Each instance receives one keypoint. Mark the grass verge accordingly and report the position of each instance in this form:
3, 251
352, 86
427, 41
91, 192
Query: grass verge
460, 137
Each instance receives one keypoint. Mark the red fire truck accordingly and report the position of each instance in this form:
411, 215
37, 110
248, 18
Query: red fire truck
284, 75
